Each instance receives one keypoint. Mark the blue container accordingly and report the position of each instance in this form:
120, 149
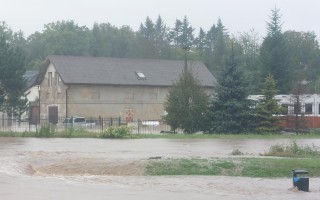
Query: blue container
299, 180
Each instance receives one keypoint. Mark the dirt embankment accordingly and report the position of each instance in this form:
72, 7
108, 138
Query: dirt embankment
88, 166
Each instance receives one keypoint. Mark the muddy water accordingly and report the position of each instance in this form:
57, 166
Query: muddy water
111, 169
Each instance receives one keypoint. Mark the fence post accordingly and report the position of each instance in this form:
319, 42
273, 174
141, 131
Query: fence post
100, 122
111, 121
119, 121
138, 126
29, 123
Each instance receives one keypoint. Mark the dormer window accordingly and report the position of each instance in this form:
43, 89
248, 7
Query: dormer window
141, 76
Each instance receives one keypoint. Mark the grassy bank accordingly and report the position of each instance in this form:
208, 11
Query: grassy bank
224, 136
247, 167
289, 157
62, 134
74, 133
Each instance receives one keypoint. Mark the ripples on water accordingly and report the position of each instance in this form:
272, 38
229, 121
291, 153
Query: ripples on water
119, 163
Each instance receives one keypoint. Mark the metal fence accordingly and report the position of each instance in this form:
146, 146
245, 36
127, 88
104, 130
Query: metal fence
8, 124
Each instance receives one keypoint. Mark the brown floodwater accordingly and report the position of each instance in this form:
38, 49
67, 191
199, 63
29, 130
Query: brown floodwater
32, 168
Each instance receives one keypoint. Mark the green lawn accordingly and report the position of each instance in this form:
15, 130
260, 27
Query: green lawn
75, 133
289, 157
246, 167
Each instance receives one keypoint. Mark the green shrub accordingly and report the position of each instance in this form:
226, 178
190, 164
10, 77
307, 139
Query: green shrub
116, 132
293, 150
47, 130
315, 131
236, 152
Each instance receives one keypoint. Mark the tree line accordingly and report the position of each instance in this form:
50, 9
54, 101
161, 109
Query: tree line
286, 55
230, 111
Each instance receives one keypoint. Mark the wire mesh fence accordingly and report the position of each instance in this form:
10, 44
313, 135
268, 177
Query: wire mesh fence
9, 124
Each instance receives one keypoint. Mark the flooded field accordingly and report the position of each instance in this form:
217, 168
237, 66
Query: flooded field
64, 169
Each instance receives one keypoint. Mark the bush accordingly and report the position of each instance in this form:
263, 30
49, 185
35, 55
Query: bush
69, 132
236, 152
315, 131
293, 150
116, 132
47, 130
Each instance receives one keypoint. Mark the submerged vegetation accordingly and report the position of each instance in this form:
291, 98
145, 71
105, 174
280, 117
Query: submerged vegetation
293, 150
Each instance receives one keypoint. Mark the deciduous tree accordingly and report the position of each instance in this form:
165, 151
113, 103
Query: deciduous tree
12, 84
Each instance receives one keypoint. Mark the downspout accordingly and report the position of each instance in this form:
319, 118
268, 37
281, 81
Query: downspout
67, 101
39, 98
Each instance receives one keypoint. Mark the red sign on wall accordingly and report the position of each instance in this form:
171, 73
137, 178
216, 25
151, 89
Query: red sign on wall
129, 116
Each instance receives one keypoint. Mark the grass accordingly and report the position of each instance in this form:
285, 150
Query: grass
69, 133
290, 156
245, 167
293, 150
224, 136
236, 152
81, 133
296, 157
50, 131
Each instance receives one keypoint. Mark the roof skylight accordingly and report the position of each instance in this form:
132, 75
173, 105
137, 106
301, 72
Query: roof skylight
141, 76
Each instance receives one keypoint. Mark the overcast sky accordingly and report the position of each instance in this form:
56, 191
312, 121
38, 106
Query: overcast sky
236, 15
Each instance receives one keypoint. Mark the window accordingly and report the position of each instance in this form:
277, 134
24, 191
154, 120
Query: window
285, 109
56, 78
49, 78
141, 76
297, 108
308, 108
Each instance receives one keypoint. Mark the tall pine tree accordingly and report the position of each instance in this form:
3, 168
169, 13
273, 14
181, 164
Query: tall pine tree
230, 110
274, 54
268, 109
182, 36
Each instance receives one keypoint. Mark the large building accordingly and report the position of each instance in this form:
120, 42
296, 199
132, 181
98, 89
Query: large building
110, 87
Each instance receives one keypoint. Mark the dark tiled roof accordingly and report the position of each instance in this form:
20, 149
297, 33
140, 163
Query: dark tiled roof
123, 71
30, 77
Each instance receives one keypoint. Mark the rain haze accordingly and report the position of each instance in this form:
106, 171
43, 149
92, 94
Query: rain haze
237, 15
